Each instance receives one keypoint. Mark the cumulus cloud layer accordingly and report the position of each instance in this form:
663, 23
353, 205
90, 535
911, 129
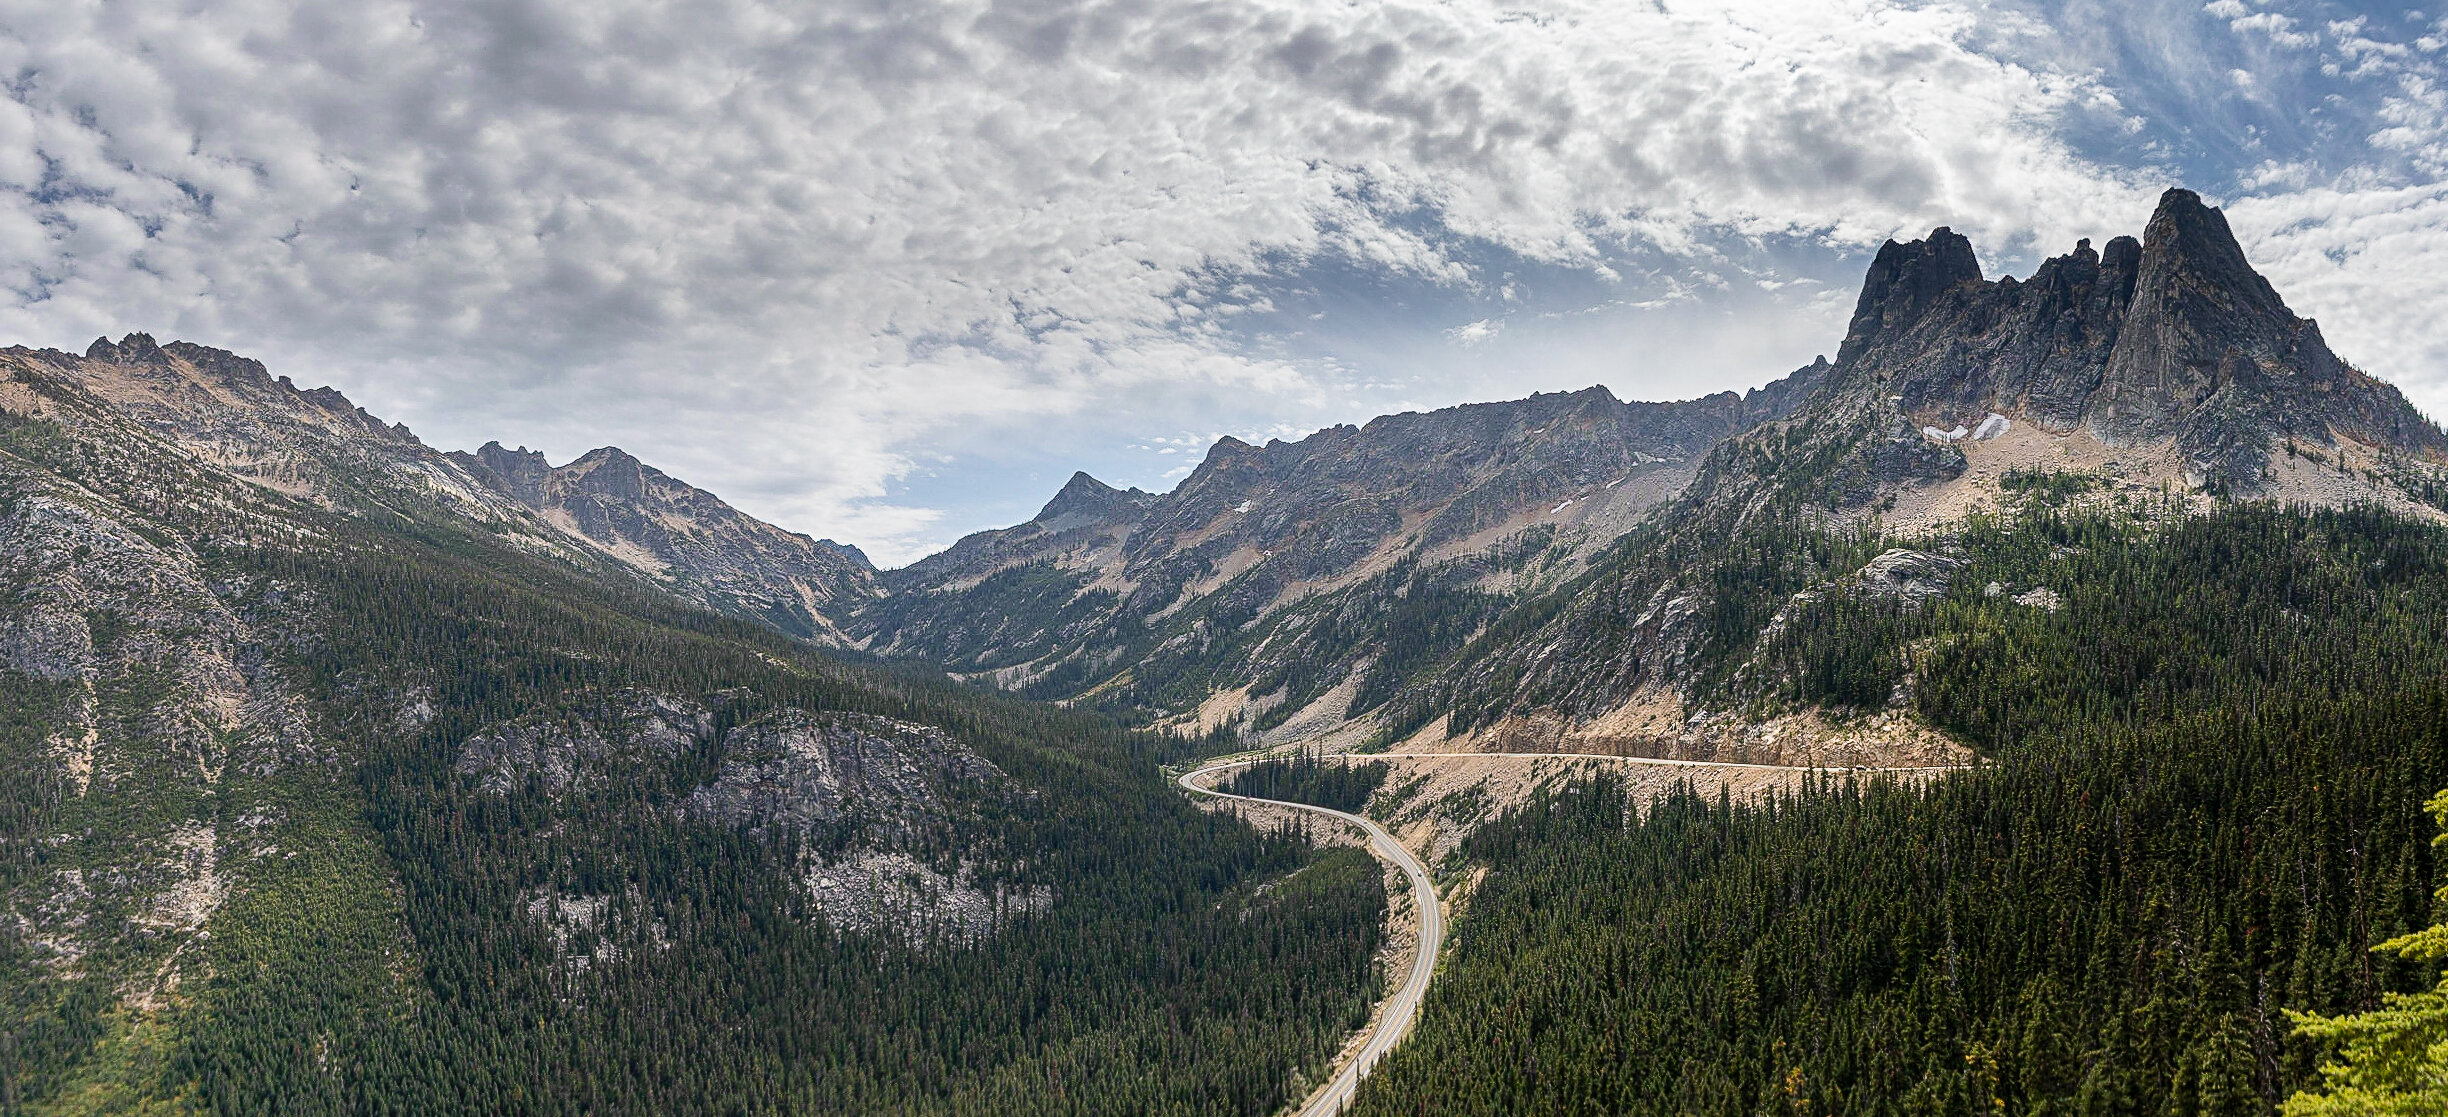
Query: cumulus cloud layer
798, 252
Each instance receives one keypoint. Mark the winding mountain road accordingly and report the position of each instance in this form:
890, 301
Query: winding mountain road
1401, 1009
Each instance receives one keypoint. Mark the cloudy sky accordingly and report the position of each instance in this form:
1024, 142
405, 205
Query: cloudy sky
889, 270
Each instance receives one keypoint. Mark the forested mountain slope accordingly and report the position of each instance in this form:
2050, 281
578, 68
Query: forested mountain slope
2201, 809
339, 784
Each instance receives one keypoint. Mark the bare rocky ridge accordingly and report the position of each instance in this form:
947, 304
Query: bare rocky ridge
1412, 484
1294, 558
234, 416
2171, 340
685, 537
605, 512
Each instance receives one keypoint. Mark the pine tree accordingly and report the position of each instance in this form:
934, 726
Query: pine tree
2393, 1061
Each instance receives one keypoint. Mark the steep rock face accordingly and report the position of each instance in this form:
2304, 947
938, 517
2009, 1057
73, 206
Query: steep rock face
562, 755
885, 813
684, 537
2173, 339
803, 770
1275, 571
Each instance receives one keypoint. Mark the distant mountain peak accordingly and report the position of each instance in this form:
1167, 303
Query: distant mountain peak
849, 551
1086, 497
692, 538
602, 455
1285, 569
133, 347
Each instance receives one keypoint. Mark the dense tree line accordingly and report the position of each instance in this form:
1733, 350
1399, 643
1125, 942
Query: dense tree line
2201, 810
1306, 777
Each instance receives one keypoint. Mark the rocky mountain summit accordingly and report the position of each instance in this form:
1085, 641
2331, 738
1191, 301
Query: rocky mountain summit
2173, 339
605, 512
684, 536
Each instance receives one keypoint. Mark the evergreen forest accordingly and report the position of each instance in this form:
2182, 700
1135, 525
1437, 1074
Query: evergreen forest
1181, 962
2199, 810
1305, 777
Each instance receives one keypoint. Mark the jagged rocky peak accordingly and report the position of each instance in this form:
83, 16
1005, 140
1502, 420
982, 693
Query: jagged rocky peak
2201, 323
849, 551
221, 366
688, 538
1085, 499
610, 471
606, 471
133, 347
2173, 338
197, 389
1904, 280
519, 473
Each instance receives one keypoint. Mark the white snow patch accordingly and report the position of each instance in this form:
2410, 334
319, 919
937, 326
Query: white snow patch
1991, 427
1936, 435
